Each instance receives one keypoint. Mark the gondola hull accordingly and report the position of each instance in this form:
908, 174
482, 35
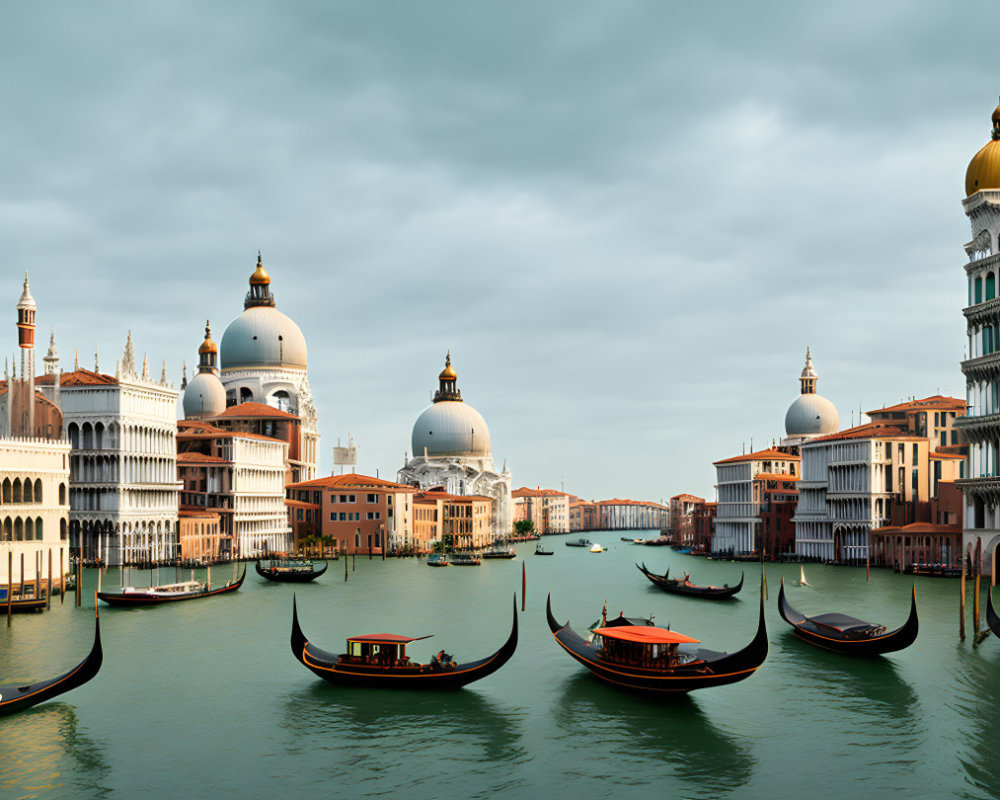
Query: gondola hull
15, 698
991, 615
332, 668
278, 576
830, 639
674, 586
121, 600
711, 668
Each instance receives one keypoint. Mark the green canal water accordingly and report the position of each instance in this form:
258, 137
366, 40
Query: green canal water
205, 699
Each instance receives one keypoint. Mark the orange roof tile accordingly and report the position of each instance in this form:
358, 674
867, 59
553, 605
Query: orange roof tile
200, 458
424, 498
254, 410
301, 504
939, 454
351, 481
775, 476
85, 377
688, 497
772, 454
619, 502
870, 430
934, 402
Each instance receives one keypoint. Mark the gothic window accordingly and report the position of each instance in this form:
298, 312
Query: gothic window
7, 530
979, 290
17, 491
88, 436
6, 491
29, 491
38, 529
990, 287
38, 490
246, 396
18, 530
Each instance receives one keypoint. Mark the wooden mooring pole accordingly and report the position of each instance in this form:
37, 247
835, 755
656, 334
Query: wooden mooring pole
10, 585
62, 579
48, 601
961, 604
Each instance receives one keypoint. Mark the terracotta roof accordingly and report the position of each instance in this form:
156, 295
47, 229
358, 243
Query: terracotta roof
200, 458
772, 454
934, 402
424, 497
351, 481
196, 426
619, 502
919, 527
775, 476
85, 377
215, 433
870, 430
688, 497
301, 504
939, 454
184, 512
254, 410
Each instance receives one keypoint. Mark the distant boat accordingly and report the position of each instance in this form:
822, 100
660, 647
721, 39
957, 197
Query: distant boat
464, 560
167, 593
579, 543
289, 570
500, 552
596, 548
802, 577
540, 551
437, 560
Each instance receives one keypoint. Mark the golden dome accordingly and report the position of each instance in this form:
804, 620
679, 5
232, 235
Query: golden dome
260, 275
208, 346
448, 373
984, 169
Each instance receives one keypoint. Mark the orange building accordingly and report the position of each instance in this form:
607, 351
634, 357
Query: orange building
582, 515
360, 513
458, 522
201, 538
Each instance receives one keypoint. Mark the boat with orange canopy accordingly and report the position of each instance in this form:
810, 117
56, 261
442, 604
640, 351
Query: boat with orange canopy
380, 660
655, 660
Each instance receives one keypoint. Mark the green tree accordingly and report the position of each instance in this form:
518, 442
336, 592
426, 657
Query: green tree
524, 527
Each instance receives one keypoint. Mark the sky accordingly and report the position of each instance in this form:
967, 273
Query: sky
626, 221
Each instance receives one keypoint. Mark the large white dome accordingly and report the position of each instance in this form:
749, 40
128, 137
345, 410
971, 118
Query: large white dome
451, 428
811, 415
263, 337
204, 396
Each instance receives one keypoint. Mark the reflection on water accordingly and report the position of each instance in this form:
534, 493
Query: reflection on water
673, 731
44, 752
381, 741
978, 703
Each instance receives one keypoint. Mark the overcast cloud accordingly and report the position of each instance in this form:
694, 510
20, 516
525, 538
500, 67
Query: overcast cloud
626, 220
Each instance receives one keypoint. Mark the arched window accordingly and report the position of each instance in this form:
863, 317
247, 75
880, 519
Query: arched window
281, 400
246, 396
38, 529
62, 529
74, 435
979, 290
18, 530
29, 529
8, 529
38, 490
88, 436
990, 286
17, 491
29, 491
99, 436
62, 494
6, 490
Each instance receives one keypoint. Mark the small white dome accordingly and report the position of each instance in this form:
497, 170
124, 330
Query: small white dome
811, 415
204, 397
451, 428
263, 337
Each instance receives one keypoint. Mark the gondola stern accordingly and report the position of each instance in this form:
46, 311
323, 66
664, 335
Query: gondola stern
298, 640
554, 625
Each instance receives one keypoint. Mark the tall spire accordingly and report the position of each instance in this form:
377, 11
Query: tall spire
163, 373
808, 377
184, 375
145, 366
52, 356
448, 383
76, 361
128, 358
97, 364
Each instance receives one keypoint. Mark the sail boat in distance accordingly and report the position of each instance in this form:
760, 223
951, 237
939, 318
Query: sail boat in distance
802, 577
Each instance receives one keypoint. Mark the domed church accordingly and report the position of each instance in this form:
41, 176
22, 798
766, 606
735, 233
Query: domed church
811, 415
262, 359
451, 449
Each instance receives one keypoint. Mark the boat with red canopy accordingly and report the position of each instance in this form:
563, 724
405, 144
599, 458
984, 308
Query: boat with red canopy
380, 660
850, 635
657, 660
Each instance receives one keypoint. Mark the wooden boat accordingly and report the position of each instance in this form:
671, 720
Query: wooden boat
21, 605
380, 660
849, 635
579, 543
290, 570
654, 660
991, 615
540, 551
933, 570
678, 586
14, 698
168, 593
437, 560
464, 560
500, 552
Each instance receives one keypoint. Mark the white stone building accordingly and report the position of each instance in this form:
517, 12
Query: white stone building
264, 360
738, 521
123, 466
452, 450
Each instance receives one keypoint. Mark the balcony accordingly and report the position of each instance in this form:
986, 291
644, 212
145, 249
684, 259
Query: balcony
982, 367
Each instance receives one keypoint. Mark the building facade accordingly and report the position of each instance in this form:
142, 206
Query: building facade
456, 522
547, 509
629, 515
452, 452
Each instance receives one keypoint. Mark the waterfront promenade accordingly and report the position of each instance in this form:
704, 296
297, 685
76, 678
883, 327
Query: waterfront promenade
206, 698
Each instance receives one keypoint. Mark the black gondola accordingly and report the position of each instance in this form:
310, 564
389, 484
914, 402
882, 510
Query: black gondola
290, 570
380, 660
16, 698
678, 586
848, 635
991, 615
158, 595
541, 551
658, 661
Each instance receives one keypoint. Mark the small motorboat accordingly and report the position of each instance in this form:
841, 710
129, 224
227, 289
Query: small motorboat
132, 596
654, 660
289, 570
684, 586
500, 552
380, 660
464, 560
579, 543
18, 697
437, 560
849, 635
540, 551
596, 548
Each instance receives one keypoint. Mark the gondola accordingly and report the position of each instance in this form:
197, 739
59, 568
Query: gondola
991, 615
290, 570
16, 698
848, 635
657, 661
541, 551
677, 586
22, 605
173, 593
380, 660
